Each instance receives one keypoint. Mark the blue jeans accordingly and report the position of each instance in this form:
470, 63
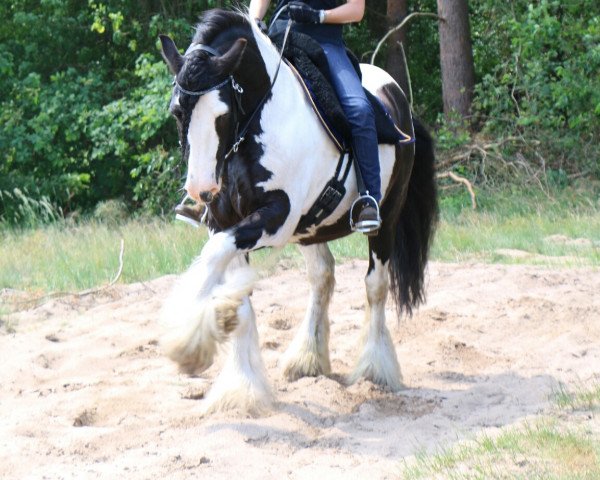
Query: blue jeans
360, 115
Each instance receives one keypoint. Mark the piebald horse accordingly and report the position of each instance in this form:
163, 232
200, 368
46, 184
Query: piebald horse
258, 157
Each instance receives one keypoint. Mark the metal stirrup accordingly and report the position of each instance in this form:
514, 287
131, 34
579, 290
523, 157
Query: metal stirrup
371, 201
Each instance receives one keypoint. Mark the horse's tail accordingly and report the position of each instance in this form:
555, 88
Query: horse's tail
415, 228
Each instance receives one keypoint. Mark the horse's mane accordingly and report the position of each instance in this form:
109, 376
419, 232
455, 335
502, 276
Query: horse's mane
214, 22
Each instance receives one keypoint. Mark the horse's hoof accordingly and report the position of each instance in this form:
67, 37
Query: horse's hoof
392, 382
379, 369
255, 400
307, 364
190, 358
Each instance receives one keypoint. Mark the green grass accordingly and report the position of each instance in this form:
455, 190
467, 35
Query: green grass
495, 239
547, 449
564, 446
524, 223
64, 257
581, 398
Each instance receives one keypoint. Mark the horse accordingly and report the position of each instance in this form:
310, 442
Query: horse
256, 185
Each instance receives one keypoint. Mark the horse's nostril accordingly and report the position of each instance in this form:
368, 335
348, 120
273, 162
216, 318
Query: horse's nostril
207, 197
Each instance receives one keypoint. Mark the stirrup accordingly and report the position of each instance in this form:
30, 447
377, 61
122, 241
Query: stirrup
182, 214
369, 226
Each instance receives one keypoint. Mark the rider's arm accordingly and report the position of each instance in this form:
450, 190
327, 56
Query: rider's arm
258, 8
352, 11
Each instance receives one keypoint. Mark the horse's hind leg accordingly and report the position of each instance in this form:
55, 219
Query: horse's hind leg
308, 354
242, 384
378, 361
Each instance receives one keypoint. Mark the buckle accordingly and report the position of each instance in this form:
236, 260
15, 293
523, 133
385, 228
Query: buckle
236, 86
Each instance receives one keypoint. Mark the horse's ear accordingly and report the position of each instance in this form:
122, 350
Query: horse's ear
171, 54
231, 59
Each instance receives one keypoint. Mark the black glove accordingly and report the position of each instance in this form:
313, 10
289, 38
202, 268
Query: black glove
302, 13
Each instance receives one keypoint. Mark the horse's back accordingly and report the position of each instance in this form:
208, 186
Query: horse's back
383, 86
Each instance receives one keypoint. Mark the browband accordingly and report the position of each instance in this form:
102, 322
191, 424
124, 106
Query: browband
204, 48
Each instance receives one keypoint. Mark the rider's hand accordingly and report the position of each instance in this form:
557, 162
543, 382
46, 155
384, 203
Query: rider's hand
301, 13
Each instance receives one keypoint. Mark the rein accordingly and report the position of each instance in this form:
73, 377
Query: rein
237, 91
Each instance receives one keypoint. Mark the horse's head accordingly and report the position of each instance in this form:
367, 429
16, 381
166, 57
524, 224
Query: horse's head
206, 96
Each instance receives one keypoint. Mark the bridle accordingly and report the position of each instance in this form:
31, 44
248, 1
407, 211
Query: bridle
237, 91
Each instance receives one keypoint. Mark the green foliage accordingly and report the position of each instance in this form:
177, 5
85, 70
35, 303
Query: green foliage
111, 212
83, 102
29, 212
450, 133
131, 131
539, 77
550, 66
423, 54
83, 95
361, 40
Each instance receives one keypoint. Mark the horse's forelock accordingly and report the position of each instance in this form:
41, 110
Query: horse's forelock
196, 73
215, 22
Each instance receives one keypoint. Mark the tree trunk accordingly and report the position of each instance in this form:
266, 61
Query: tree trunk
395, 64
456, 57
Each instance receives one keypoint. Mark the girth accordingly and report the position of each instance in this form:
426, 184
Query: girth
329, 198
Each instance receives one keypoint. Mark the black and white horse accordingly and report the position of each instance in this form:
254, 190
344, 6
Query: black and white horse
256, 192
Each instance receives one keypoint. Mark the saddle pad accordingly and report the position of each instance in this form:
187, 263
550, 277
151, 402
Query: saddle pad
307, 60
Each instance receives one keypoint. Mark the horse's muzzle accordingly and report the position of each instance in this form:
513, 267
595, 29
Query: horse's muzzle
207, 197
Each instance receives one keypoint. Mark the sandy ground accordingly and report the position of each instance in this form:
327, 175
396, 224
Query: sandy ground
86, 393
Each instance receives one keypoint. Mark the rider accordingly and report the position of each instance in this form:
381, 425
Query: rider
323, 20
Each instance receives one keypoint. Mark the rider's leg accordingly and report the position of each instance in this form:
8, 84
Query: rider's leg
360, 115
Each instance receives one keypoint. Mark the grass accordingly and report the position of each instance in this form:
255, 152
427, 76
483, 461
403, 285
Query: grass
562, 447
581, 398
6, 322
521, 228
65, 257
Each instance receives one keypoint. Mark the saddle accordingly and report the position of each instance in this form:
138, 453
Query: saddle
307, 59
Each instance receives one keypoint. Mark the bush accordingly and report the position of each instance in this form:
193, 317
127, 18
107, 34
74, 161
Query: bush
540, 80
19, 207
83, 102
112, 212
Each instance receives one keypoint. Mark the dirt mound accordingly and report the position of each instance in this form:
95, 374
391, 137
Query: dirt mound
86, 392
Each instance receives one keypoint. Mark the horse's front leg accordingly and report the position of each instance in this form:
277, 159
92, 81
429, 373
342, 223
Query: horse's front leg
201, 311
210, 304
308, 354
242, 383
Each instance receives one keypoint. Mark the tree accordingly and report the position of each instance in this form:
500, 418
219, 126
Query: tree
456, 57
396, 64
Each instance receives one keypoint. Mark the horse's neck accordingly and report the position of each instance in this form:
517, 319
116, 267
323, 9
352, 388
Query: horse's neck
288, 106
297, 150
